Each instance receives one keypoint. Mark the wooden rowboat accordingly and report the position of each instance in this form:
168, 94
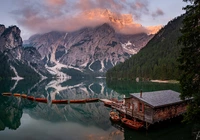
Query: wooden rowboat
59, 101
17, 94
78, 101
31, 98
23, 95
42, 100
7, 94
114, 116
92, 100
132, 124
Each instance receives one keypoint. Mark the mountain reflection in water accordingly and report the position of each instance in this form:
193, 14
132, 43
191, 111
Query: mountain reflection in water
33, 120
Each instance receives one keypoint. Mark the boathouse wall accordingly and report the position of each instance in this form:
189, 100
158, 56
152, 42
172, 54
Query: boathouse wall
140, 110
168, 112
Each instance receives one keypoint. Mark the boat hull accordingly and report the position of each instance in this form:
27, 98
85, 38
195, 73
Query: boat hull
31, 98
7, 94
59, 101
78, 101
17, 95
42, 100
23, 96
132, 124
92, 100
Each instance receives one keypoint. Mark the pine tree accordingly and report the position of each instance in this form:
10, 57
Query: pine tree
190, 59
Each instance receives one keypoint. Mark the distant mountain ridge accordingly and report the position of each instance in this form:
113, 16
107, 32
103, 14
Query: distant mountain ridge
157, 60
89, 50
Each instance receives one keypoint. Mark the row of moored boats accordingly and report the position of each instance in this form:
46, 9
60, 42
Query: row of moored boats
44, 100
133, 124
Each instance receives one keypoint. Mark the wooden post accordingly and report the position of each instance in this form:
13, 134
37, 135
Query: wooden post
147, 126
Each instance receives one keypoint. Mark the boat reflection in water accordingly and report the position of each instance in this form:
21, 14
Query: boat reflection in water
11, 111
114, 116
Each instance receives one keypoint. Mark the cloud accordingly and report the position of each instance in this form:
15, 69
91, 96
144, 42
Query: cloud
139, 7
157, 13
68, 15
55, 2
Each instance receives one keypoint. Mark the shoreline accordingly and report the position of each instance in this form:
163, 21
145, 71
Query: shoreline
165, 81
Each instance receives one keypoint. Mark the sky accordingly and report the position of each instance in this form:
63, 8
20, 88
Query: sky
126, 16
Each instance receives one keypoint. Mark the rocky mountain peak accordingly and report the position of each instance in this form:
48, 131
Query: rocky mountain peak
105, 29
2, 29
10, 37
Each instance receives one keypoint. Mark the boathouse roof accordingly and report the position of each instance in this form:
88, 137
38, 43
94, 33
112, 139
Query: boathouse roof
159, 98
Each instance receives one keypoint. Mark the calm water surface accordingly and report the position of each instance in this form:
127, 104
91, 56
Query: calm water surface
23, 119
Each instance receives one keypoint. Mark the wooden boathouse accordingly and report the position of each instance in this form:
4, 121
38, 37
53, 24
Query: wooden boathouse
152, 107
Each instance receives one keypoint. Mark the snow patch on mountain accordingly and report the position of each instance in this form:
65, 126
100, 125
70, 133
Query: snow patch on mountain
127, 47
102, 66
55, 70
84, 64
65, 35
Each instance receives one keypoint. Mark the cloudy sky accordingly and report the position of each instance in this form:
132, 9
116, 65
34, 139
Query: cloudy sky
126, 16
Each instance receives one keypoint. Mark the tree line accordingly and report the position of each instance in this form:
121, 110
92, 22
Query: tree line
157, 60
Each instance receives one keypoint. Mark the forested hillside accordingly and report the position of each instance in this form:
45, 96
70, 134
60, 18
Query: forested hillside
158, 60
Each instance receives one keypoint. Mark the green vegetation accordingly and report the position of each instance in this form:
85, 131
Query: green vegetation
157, 60
127, 87
190, 60
23, 70
5, 68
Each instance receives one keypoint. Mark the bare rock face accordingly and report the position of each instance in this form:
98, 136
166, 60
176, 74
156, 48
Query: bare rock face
10, 38
93, 49
89, 49
17, 61
43, 42
2, 29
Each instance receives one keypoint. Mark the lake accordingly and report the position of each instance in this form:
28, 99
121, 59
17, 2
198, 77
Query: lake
23, 119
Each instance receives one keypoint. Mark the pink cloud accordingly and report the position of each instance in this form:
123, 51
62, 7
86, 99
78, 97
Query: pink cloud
55, 2
62, 15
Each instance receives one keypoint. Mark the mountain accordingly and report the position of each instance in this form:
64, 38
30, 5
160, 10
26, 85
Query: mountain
157, 60
88, 51
16, 61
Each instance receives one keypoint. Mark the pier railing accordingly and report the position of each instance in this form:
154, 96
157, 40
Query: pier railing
123, 109
119, 106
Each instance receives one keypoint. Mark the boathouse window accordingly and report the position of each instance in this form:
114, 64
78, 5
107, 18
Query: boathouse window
140, 107
129, 105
